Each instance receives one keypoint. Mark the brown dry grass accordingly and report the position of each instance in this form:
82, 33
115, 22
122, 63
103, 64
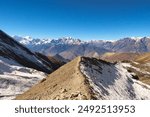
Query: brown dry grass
144, 72
113, 57
143, 58
65, 83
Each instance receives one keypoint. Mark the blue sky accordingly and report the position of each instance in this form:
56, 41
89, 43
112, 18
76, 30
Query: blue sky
84, 19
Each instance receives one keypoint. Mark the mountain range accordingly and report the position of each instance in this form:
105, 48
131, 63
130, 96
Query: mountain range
72, 69
70, 48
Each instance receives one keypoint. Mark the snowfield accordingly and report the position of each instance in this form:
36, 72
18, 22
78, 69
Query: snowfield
16, 79
112, 81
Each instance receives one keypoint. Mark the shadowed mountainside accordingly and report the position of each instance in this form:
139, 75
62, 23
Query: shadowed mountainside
11, 49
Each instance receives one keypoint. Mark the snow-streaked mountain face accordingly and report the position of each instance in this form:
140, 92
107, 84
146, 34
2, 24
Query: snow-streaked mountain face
16, 79
112, 81
21, 68
11, 49
80, 48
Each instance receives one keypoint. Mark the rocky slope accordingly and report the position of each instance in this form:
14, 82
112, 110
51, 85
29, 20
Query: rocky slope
89, 78
20, 68
11, 49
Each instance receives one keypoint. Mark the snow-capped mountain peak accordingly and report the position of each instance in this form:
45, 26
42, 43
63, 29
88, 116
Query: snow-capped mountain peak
18, 38
79, 47
69, 40
28, 38
137, 39
23, 40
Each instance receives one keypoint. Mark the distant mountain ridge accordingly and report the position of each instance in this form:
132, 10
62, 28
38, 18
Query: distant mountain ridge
70, 48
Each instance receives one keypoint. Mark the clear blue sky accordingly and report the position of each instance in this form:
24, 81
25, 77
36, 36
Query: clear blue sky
84, 19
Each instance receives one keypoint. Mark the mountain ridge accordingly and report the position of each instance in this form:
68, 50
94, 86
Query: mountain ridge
21, 68
95, 47
89, 78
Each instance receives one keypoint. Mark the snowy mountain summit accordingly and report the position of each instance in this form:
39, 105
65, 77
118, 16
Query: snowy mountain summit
78, 47
27, 40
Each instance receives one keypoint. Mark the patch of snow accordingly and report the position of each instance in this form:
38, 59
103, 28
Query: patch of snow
109, 81
135, 62
28, 38
16, 79
128, 65
136, 38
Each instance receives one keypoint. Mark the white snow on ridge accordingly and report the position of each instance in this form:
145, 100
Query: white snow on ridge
16, 79
110, 81
29, 41
26, 55
136, 38
128, 65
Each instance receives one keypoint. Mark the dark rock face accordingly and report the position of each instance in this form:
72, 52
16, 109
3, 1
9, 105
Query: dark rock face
11, 49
